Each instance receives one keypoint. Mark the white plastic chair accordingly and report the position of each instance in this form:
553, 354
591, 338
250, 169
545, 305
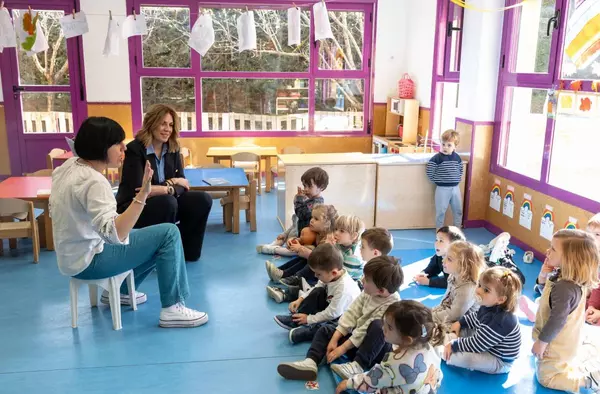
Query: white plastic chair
112, 285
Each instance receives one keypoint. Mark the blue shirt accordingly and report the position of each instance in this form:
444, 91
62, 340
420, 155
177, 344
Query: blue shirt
160, 163
445, 170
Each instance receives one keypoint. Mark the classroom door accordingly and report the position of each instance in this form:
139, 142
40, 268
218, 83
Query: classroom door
43, 92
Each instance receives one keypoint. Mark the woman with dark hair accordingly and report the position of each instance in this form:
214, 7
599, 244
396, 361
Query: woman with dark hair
170, 200
93, 241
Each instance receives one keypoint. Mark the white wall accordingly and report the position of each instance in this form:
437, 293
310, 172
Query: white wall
106, 78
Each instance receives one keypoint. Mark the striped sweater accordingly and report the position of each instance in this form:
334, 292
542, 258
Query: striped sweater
353, 262
445, 170
496, 331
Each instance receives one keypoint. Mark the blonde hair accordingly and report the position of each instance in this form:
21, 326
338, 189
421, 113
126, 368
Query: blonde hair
594, 221
351, 224
469, 259
328, 214
451, 136
579, 257
506, 283
153, 120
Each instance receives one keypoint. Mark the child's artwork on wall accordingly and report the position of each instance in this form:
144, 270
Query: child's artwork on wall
586, 104
547, 224
31, 36
571, 224
496, 196
566, 102
508, 208
526, 214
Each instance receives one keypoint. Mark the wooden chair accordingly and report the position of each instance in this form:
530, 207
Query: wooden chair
247, 203
54, 153
250, 163
288, 150
186, 157
44, 172
24, 227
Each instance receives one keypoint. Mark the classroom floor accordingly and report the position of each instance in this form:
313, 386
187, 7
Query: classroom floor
236, 352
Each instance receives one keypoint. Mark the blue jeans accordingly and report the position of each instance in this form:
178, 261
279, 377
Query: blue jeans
152, 247
445, 196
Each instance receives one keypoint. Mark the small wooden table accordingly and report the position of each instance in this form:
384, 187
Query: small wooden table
26, 188
64, 157
235, 180
265, 152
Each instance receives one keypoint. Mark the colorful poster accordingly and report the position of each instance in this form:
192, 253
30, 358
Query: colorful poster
571, 224
526, 212
496, 196
547, 224
508, 208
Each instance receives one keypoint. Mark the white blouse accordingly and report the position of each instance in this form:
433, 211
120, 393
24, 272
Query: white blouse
83, 211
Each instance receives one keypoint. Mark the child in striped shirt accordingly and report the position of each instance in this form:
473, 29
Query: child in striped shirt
445, 169
489, 339
347, 232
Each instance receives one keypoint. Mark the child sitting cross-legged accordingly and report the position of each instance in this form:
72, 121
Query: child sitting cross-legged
359, 333
431, 275
413, 366
489, 339
325, 302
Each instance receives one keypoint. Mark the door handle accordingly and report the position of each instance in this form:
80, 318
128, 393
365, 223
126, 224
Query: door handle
554, 20
18, 89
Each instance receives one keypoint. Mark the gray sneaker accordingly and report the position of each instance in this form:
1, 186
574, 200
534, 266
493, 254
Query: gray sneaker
276, 294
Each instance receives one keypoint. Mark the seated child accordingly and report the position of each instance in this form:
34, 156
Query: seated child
375, 242
592, 312
359, 333
325, 302
464, 263
347, 232
314, 182
410, 327
430, 275
489, 339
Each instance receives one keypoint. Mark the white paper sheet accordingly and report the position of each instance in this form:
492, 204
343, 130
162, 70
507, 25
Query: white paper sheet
32, 40
111, 44
322, 24
73, 27
294, 31
246, 29
135, 26
7, 31
202, 37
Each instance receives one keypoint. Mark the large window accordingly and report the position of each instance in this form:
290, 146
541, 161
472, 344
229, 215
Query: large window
313, 87
547, 108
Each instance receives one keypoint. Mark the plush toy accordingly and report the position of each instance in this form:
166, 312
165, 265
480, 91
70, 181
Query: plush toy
307, 236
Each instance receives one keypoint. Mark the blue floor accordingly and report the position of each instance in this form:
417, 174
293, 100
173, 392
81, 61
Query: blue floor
236, 352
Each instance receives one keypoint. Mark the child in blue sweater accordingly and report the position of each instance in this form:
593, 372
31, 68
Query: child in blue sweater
431, 275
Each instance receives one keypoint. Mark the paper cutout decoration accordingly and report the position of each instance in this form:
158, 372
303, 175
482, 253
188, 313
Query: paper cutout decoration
566, 102
526, 212
7, 31
596, 86
111, 44
508, 206
571, 224
586, 104
31, 37
135, 25
547, 223
74, 26
496, 197
576, 86
322, 24
294, 27
202, 37
246, 29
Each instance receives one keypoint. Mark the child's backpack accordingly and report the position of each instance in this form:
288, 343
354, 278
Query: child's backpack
497, 254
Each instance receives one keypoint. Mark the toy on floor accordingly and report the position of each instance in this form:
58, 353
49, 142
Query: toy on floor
497, 253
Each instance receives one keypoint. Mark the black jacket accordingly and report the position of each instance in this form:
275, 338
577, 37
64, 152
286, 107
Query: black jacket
133, 172
433, 271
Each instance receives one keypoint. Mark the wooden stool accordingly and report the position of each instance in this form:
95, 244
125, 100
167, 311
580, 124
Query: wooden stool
247, 202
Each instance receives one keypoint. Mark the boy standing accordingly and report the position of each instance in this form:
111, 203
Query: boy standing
445, 169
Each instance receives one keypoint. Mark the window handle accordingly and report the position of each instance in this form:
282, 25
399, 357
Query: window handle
554, 20
450, 28
18, 89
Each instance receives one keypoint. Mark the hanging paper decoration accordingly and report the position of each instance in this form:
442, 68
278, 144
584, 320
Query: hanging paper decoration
547, 223
294, 28
508, 207
496, 196
526, 213
202, 37
322, 24
111, 44
464, 4
7, 31
246, 31
135, 25
571, 224
31, 37
74, 25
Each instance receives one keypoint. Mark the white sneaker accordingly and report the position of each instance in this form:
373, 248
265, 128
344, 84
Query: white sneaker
347, 370
179, 315
140, 298
275, 274
276, 293
298, 370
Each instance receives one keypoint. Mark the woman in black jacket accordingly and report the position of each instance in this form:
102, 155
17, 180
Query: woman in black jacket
170, 200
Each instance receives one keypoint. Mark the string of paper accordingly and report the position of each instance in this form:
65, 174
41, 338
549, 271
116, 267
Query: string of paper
30, 36
464, 4
322, 24
294, 27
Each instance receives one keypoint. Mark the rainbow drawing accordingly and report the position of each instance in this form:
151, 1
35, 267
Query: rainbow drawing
548, 214
569, 225
496, 189
527, 204
509, 196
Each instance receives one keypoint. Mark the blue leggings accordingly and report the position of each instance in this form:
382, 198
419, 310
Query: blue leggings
152, 247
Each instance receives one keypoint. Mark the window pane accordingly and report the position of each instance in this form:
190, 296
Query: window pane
574, 160
165, 45
582, 41
339, 104
457, 22
273, 52
254, 104
50, 67
533, 45
345, 51
176, 92
449, 106
525, 127
46, 113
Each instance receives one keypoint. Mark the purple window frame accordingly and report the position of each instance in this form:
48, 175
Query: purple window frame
137, 71
536, 81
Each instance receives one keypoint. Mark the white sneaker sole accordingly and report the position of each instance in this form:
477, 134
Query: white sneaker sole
275, 295
291, 372
184, 323
138, 300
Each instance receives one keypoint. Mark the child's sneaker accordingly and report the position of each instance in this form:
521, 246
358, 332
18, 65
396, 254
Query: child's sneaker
140, 298
301, 334
347, 370
179, 315
298, 370
276, 293
291, 281
285, 321
274, 273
